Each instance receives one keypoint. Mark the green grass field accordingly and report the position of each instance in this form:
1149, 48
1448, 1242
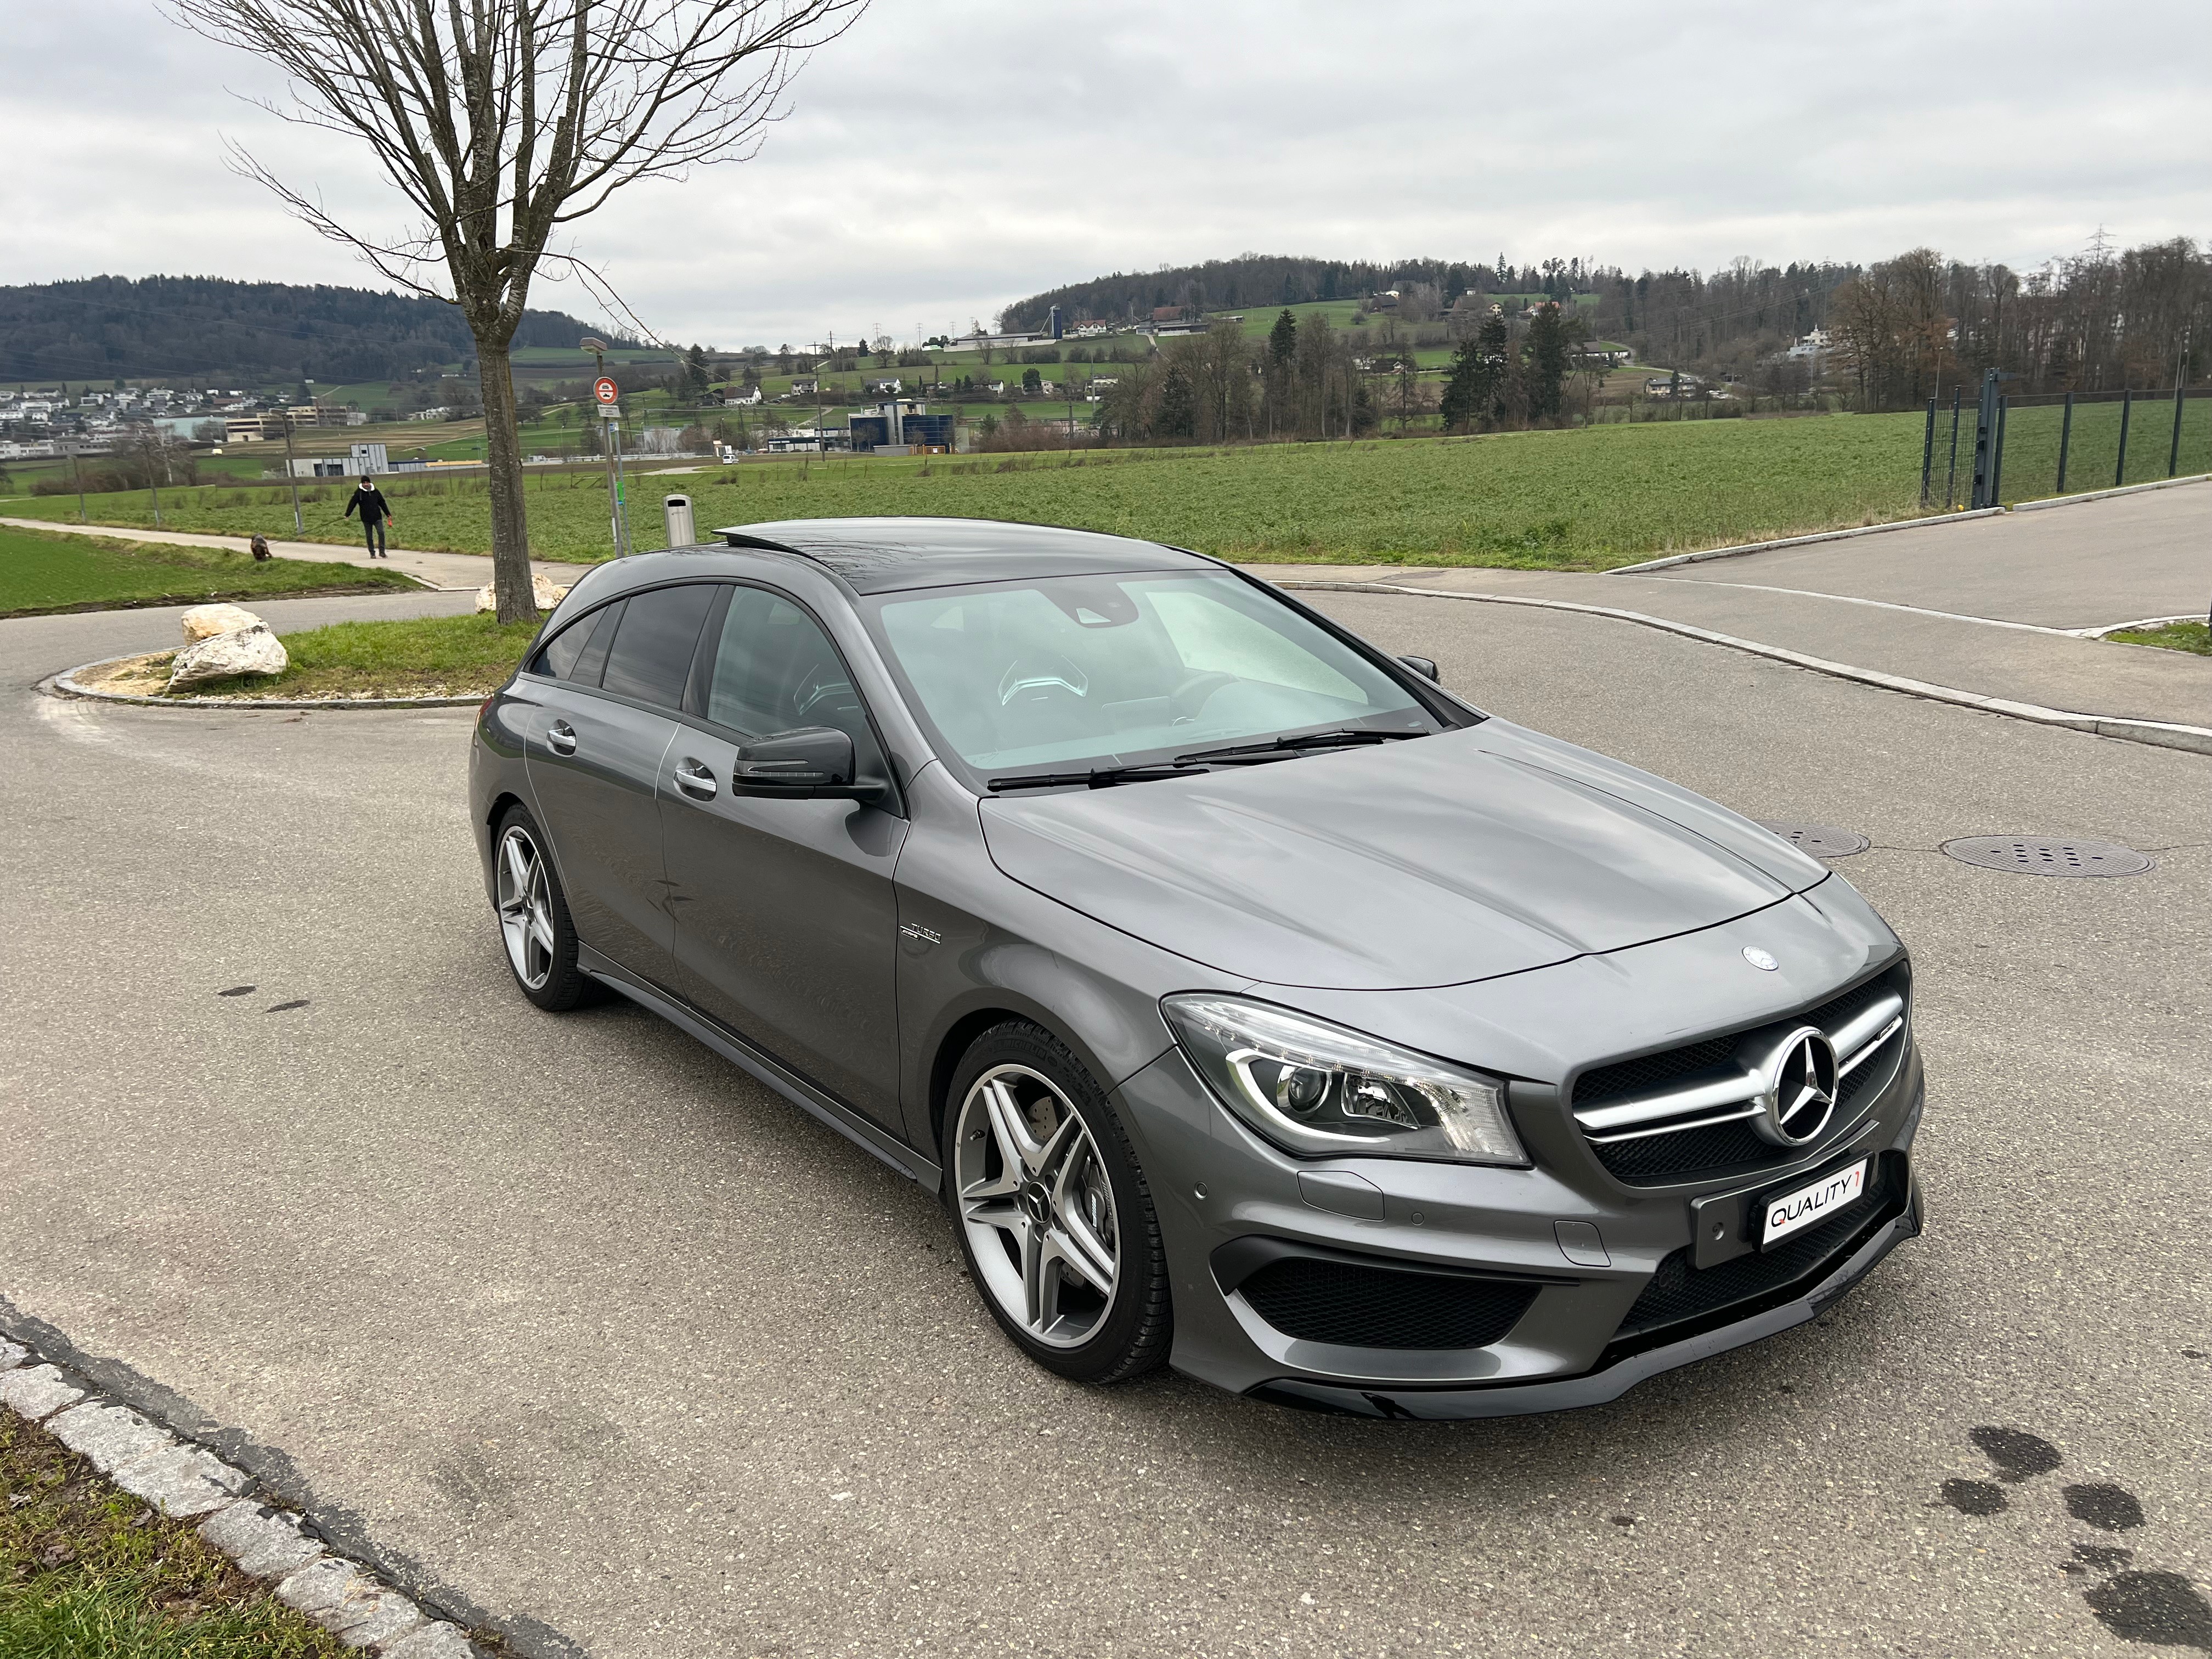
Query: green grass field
41, 572
1586, 499
426, 657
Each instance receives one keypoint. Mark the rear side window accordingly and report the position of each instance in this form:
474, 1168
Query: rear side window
578, 651
650, 660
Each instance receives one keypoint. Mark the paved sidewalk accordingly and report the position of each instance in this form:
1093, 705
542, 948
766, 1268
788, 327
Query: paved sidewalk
450, 570
2081, 564
1981, 608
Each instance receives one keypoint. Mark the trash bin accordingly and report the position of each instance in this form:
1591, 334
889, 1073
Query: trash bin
681, 531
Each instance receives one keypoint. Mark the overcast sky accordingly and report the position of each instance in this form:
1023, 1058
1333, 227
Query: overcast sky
948, 155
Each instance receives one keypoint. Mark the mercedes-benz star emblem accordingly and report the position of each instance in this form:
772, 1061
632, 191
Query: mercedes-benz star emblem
1801, 1090
1765, 961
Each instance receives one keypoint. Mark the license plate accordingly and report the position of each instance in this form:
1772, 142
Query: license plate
1786, 1212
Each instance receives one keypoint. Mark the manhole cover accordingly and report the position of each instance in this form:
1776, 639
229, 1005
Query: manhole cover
1822, 841
2043, 855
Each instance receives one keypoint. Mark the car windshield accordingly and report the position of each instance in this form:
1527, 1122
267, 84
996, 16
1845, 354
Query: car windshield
1085, 673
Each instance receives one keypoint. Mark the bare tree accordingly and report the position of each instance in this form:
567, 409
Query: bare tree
502, 122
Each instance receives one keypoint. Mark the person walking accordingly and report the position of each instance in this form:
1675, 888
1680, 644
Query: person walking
375, 512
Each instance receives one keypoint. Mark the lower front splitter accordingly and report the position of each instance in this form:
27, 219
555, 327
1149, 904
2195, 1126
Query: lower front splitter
1597, 1388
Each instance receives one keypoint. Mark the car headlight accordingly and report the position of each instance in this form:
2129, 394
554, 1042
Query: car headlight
1316, 1088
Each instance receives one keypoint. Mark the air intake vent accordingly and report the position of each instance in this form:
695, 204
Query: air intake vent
1362, 1307
1679, 1292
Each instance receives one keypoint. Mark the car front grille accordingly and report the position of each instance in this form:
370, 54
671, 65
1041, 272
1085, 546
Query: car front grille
1679, 1292
1356, 1306
1686, 1114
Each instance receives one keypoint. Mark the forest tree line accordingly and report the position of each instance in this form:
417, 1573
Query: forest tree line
1920, 326
102, 328
1903, 328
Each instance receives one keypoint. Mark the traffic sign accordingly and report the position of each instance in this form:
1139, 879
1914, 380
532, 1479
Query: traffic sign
605, 390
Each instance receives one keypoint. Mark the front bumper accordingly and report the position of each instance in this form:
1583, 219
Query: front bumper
1609, 1381
1584, 1331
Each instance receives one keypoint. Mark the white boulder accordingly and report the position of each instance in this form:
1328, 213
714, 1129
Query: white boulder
204, 621
252, 650
544, 593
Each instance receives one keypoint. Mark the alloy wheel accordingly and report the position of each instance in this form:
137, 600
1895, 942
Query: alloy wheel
1038, 1207
525, 910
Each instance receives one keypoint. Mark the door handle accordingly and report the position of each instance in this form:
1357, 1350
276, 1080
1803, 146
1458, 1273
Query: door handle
560, 738
695, 780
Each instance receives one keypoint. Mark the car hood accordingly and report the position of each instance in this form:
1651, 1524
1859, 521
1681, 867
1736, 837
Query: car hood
1457, 857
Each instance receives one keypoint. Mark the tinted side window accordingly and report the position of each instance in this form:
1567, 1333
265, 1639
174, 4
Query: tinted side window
651, 655
558, 660
775, 670
594, 660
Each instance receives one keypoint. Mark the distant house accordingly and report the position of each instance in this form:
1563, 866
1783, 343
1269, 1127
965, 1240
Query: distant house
1167, 313
875, 387
1611, 356
1812, 345
736, 396
803, 386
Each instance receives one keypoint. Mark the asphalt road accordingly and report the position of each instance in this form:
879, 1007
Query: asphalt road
597, 1334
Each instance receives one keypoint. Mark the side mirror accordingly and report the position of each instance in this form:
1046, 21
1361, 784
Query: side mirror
812, 761
1425, 666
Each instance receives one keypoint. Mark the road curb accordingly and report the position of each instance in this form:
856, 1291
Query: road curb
65, 684
174, 1472
1802, 541
2165, 734
2107, 495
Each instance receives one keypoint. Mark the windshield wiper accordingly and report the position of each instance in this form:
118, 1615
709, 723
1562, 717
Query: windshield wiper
1283, 748
1102, 777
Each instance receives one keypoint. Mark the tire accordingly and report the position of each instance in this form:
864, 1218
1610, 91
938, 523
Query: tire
539, 941
1055, 1221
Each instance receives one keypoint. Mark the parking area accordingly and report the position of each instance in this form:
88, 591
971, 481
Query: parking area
585, 1330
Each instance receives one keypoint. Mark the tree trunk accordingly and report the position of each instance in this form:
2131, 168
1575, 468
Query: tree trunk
510, 523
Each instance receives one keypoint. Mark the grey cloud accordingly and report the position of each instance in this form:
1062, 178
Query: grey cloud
944, 158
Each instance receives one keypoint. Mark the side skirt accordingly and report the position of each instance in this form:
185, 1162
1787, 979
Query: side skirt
786, 1083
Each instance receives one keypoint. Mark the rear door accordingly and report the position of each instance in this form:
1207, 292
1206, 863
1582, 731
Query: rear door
597, 758
787, 921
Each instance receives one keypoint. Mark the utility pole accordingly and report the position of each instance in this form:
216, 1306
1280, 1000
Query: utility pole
77, 477
291, 477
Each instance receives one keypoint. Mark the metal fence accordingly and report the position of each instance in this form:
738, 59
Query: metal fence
1995, 449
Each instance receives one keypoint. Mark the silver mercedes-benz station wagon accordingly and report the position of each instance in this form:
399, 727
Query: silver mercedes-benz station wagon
1256, 1004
